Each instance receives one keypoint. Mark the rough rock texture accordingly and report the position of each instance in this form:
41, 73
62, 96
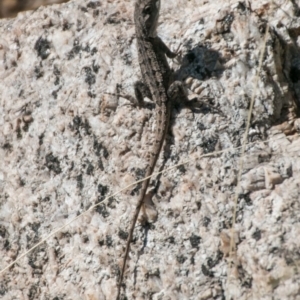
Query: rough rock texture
65, 145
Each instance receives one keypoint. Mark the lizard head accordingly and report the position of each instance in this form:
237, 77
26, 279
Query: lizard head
146, 15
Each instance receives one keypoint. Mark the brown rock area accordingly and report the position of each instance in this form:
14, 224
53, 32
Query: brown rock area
66, 144
10, 8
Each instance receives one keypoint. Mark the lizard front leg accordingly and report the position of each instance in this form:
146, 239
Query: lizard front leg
141, 91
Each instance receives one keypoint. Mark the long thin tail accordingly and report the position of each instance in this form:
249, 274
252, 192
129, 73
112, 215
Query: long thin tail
136, 214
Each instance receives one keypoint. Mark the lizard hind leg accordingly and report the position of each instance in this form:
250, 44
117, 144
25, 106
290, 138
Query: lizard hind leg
177, 92
141, 91
179, 96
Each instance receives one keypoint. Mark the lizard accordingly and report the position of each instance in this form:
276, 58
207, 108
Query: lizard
157, 85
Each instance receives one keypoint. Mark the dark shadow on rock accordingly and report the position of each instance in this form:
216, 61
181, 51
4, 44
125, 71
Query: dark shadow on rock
200, 63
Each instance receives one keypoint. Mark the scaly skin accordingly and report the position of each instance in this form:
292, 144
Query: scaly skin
156, 75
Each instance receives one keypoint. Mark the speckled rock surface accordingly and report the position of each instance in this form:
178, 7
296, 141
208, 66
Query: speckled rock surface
66, 144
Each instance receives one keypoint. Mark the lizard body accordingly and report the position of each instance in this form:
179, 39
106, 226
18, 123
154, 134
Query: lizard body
157, 78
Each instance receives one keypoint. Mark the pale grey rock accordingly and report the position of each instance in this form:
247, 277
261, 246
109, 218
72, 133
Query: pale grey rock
66, 144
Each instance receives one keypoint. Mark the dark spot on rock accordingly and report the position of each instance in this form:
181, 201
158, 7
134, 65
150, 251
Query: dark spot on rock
42, 47
79, 182
33, 292
38, 72
90, 169
86, 127
213, 262
208, 144
93, 4
76, 123
247, 283
195, 240
140, 173
98, 148
91, 95
105, 152
102, 210
85, 239
206, 221
136, 189
182, 169
84, 9
246, 198
21, 93
41, 138
102, 189
19, 133
75, 50
7, 146
52, 163
66, 25
206, 271
56, 72
94, 51
25, 127
100, 164
111, 202
3, 289
86, 49
6, 245
257, 234
46, 199
171, 239
22, 182
122, 234
3, 231
114, 19
95, 67
241, 6
181, 259
79, 24
201, 126
90, 78
56, 82
108, 241
35, 226
54, 94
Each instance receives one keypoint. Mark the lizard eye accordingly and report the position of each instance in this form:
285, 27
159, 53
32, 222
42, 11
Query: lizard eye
147, 10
